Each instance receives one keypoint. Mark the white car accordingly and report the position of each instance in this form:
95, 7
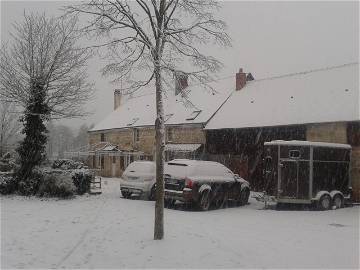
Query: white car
139, 179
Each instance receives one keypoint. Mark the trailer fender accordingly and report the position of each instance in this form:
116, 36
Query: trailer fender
204, 187
335, 192
319, 194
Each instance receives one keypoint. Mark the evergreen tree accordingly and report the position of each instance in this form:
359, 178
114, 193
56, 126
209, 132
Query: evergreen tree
32, 149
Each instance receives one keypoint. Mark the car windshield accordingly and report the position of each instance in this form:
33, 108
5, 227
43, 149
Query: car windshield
141, 167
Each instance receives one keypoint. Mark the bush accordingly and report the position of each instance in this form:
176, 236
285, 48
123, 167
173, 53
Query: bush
7, 183
31, 185
57, 185
82, 179
67, 164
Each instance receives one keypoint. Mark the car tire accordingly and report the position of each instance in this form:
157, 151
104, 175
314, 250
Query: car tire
152, 195
324, 203
204, 200
221, 201
338, 201
169, 203
244, 197
126, 194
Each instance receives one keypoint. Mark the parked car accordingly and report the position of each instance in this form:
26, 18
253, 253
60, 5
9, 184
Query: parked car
139, 179
203, 183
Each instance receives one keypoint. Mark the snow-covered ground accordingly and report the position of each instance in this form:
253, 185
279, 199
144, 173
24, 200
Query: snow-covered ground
106, 231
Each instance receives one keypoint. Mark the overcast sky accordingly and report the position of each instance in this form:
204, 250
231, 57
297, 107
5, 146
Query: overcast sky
269, 39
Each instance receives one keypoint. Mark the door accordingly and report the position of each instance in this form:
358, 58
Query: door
294, 179
289, 179
113, 167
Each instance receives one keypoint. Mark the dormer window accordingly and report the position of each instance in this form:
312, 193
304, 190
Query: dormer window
133, 121
102, 137
168, 116
193, 115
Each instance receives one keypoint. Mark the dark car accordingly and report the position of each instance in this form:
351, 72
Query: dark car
203, 183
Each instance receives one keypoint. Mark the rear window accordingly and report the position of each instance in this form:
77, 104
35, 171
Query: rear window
141, 167
177, 169
213, 170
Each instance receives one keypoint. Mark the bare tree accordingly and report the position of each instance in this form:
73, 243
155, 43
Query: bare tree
43, 71
44, 49
151, 40
9, 125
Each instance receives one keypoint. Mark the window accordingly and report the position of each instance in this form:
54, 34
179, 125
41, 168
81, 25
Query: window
168, 116
193, 115
294, 154
136, 135
133, 121
114, 159
169, 134
102, 137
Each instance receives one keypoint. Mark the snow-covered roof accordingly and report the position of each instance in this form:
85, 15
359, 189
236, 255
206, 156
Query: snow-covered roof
324, 95
197, 108
308, 143
182, 147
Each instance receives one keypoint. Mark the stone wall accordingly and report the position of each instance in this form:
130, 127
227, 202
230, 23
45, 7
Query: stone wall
355, 173
337, 133
328, 132
125, 139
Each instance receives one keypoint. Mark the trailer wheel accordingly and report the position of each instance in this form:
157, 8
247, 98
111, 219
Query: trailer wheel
338, 201
324, 203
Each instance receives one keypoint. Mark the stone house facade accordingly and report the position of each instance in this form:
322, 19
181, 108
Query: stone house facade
128, 133
320, 105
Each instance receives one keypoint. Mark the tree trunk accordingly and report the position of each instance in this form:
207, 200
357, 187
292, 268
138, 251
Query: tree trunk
160, 145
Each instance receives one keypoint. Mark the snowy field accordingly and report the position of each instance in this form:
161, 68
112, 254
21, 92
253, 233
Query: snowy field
106, 231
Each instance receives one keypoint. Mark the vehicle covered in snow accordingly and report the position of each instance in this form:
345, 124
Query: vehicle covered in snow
203, 183
139, 179
306, 172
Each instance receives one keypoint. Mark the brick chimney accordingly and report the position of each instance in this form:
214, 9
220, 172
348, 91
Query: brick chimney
117, 98
181, 81
240, 79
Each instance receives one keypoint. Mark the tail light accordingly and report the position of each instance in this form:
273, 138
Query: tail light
188, 183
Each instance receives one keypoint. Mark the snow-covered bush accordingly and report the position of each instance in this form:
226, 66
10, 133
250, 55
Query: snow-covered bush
7, 183
81, 179
31, 185
67, 164
57, 185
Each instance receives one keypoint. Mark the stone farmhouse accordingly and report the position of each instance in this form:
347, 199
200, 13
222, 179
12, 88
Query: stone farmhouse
231, 123
320, 105
128, 133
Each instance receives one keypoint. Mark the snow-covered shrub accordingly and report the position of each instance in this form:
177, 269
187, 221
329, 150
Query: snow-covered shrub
81, 179
5, 166
31, 185
67, 164
7, 183
57, 185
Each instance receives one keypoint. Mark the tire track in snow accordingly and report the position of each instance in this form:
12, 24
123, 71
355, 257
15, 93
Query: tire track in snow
83, 235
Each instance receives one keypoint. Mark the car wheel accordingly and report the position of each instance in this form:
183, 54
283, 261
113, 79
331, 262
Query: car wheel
324, 203
221, 201
204, 200
338, 201
152, 195
126, 194
169, 203
244, 196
